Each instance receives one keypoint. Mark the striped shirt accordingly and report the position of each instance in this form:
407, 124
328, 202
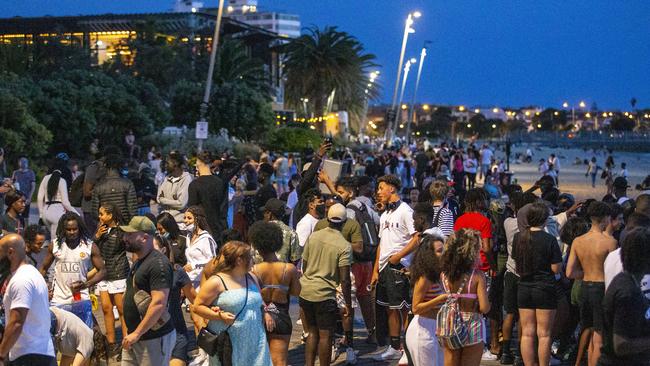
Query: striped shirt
434, 291
445, 221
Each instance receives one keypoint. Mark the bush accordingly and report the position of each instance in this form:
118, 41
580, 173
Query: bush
185, 143
292, 139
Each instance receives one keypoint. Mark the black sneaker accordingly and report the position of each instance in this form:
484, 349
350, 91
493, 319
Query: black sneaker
507, 359
519, 361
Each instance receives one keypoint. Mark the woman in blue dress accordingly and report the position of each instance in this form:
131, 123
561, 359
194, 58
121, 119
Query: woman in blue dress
223, 295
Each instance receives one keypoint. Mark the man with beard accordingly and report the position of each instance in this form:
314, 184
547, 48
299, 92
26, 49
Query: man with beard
150, 334
74, 254
25, 340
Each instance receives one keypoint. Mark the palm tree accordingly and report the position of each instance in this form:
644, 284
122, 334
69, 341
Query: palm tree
326, 63
234, 65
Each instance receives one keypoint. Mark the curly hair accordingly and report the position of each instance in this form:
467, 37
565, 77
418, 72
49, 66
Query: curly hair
425, 262
460, 254
392, 180
200, 220
635, 252
574, 227
475, 200
266, 237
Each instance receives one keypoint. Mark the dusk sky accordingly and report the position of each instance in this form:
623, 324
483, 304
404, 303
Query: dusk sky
483, 52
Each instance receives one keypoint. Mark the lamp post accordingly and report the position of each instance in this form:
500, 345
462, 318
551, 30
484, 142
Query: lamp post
208, 83
411, 116
371, 81
407, 68
407, 30
573, 110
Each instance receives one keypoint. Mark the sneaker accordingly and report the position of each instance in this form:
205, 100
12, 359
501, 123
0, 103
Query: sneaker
507, 359
351, 356
489, 356
336, 352
404, 360
200, 359
389, 354
518, 361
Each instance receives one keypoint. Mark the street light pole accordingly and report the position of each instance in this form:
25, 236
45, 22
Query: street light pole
407, 68
213, 56
388, 135
415, 92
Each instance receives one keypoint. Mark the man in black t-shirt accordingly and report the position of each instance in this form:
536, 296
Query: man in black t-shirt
150, 331
626, 323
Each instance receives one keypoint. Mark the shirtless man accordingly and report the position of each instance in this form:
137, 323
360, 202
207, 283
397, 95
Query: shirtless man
586, 262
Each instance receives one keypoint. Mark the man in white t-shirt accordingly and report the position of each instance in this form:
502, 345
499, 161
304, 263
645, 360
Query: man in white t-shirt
486, 160
26, 339
396, 232
316, 210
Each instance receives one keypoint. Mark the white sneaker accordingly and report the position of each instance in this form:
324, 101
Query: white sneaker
351, 356
200, 359
389, 354
403, 361
489, 356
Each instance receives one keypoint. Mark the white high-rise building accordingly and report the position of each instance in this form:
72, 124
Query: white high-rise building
246, 11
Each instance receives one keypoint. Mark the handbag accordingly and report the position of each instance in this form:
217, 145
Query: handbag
220, 344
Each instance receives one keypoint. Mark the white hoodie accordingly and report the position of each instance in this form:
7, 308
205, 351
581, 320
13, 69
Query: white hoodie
199, 252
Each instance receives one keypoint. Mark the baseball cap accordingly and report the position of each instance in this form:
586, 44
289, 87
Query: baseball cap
621, 182
337, 213
275, 206
139, 223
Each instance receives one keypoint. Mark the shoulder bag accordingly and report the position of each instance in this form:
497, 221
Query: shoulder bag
220, 344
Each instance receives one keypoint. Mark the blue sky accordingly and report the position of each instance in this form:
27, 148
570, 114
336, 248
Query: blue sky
483, 52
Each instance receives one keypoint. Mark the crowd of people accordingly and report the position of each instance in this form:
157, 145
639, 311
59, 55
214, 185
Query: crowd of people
446, 261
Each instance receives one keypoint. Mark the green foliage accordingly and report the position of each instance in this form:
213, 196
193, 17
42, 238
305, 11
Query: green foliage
245, 112
185, 103
321, 62
79, 105
622, 123
549, 119
439, 125
20, 133
44, 55
292, 139
185, 143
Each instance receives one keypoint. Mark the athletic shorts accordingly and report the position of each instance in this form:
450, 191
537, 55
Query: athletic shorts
322, 314
362, 272
495, 295
591, 306
180, 349
393, 288
536, 295
112, 287
510, 283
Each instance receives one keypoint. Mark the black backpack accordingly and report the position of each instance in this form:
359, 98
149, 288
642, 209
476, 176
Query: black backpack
76, 194
368, 232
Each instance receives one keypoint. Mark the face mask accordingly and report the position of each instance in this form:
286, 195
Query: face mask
189, 227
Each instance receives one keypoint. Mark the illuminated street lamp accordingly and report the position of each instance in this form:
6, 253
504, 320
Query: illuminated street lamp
582, 105
407, 30
423, 54
407, 68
